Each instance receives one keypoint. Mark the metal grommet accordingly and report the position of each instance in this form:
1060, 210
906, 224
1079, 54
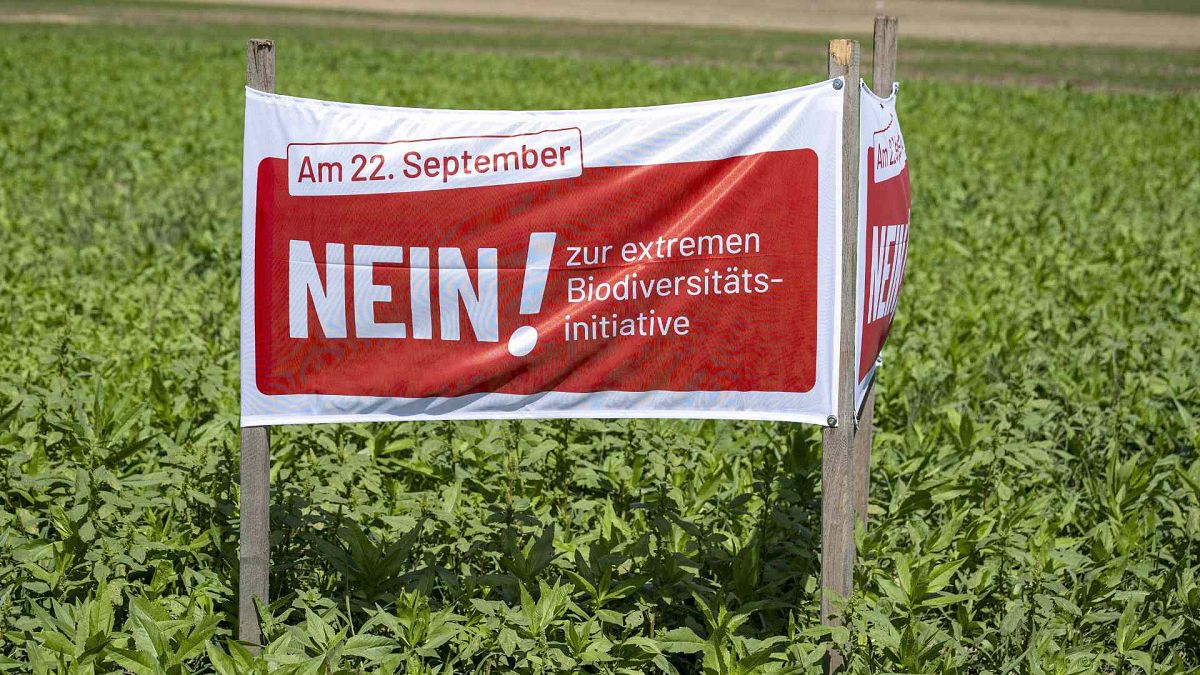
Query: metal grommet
837, 84
832, 420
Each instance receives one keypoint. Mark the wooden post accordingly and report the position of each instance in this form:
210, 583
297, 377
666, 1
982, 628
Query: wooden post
837, 441
254, 540
862, 454
883, 54
883, 73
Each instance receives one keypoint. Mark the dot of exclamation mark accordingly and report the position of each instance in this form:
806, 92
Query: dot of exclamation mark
533, 288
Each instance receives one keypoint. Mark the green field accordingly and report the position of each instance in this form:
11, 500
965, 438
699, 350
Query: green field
1036, 483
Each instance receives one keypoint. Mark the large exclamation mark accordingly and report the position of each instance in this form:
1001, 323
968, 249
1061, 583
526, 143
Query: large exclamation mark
537, 268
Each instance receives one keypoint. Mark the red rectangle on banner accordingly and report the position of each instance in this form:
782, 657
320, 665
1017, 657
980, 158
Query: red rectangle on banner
692, 276
887, 219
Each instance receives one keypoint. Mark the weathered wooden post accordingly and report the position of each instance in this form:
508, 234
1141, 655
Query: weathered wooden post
254, 539
883, 54
837, 441
883, 73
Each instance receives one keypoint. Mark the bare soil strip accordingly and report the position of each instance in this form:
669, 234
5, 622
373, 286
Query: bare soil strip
1114, 68
934, 19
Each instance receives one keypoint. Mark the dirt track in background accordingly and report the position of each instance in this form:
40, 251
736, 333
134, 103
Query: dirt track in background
935, 19
1105, 66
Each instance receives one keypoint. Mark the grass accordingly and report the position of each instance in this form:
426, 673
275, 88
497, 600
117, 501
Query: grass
1036, 483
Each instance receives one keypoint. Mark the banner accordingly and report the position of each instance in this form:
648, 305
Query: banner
884, 206
668, 261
